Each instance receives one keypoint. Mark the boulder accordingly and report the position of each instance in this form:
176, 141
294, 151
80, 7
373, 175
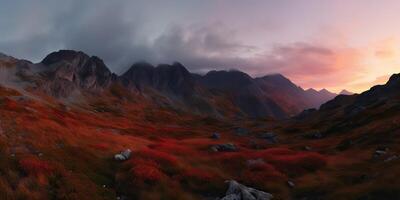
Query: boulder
228, 147
237, 191
239, 131
255, 162
307, 148
124, 155
391, 158
314, 135
216, 136
270, 136
291, 184
379, 153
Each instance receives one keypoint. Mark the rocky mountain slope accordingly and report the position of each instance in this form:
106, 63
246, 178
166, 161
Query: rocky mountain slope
117, 143
66, 72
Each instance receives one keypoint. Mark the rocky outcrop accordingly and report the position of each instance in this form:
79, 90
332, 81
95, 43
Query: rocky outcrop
172, 79
219, 93
228, 147
123, 155
237, 191
67, 70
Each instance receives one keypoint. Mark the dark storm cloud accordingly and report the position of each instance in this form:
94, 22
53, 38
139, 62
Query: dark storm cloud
201, 48
116, 32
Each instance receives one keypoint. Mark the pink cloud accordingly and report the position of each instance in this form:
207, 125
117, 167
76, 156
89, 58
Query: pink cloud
311, 65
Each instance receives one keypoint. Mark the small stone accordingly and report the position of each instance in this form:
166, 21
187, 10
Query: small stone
237, 191
291, 184
241, 131
307, 148
270, 136
258, 161
391, 158
228, 147
379, 153
124, 155
215, 136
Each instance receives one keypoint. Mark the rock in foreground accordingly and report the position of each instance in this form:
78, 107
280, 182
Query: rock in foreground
237, 191
228, 147
124, 155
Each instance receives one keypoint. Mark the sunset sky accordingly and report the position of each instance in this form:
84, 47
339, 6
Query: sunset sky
336, 44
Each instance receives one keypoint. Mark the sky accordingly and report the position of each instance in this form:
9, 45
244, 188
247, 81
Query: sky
336, 44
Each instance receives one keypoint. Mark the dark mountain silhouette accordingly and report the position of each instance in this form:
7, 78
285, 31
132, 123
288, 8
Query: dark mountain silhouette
68, 72
347, 112
172, 79
345, 92
319, 97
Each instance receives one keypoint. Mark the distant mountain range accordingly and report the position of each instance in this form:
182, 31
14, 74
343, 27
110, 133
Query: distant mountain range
66, 73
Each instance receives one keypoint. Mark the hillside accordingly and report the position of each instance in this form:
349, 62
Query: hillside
69, 74
58, 139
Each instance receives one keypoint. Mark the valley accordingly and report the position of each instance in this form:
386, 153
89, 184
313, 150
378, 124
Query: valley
63, 120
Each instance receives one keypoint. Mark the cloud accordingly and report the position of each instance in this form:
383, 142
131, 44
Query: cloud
313, 65
124, 32
201, 48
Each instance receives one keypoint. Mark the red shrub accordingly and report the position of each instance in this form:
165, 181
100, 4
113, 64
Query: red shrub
276, 151
261, 167
10, 104
100, 146
197, 174
299, 162
34, 166
139, 161
260, 177
259, 172
159, 156
171, 147
147, 172
232, 156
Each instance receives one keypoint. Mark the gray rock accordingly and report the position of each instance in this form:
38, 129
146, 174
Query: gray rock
241, 131
124, 155
258, 161
224, 147
314, 135
379, 153
291, 184
391, 158
237, 191
270, 136
216, 136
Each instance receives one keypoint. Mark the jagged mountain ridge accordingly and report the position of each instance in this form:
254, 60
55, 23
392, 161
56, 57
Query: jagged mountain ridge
66, 72
348, 112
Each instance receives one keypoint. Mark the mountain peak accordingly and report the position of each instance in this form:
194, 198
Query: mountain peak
323, 90
2, 55
226, 80
65, 55
394, 80
174, 78
311, 90
346, 92
327, 92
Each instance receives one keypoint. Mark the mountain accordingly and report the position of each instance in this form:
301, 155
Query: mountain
290, 96
347, 112
226, 80
67, 72
345, 92
172, 79
319, 97
106, 146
